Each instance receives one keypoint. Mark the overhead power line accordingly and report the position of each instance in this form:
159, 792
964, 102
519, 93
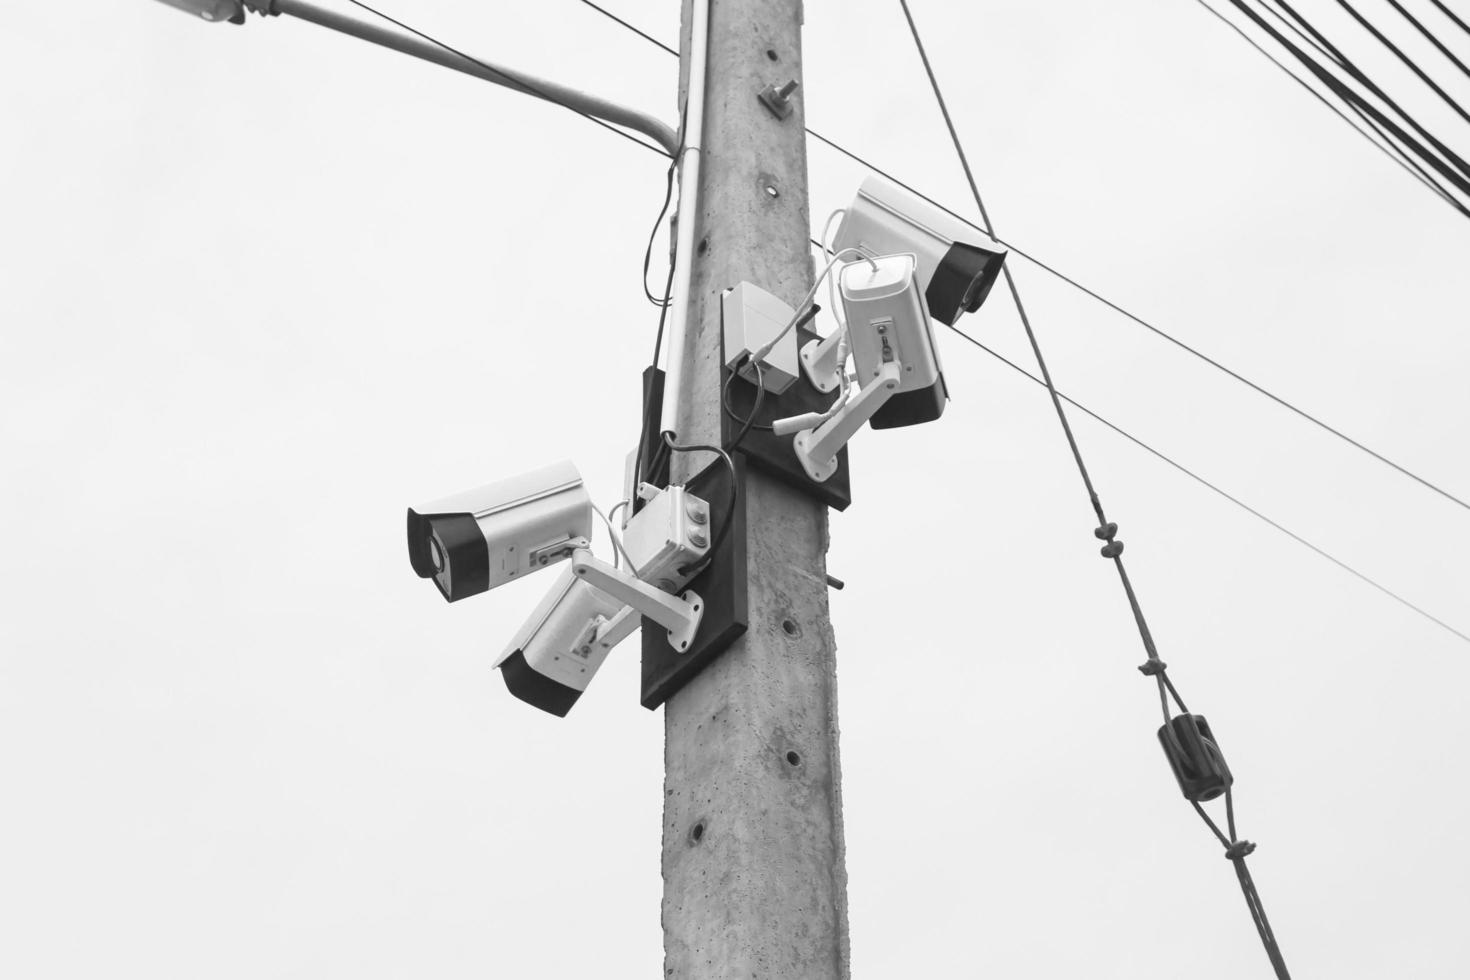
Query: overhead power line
1451, 15
1236, 849
1387, 147
1441, 158
1052, 270
1429, 35
1220, 491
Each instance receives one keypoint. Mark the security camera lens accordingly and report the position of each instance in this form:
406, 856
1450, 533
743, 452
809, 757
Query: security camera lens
436, 554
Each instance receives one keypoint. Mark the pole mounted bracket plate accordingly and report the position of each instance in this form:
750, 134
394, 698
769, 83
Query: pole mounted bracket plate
721, 590
776, 455
778, 100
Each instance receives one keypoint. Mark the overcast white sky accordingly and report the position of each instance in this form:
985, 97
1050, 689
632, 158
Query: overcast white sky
264, 287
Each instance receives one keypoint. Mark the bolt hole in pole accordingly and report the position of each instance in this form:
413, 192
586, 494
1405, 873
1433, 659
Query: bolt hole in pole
703, 246
771, 191
789, 627
771, 53
793, 759
696, 833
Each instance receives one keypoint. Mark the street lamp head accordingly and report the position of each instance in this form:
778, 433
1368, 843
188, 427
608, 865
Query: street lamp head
212, 10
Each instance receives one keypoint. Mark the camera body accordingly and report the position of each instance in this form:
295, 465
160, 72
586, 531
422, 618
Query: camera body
886, 322
592, 607
553, 657
475, 541
956, 264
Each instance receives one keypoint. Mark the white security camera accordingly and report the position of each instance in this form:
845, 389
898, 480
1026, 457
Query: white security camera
594, 606
957, 265
475, 541
554, 656
895, 362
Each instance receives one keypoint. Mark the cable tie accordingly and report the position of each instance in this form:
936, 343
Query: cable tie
1152, 667
1239, 850
1112, 549
1107, 532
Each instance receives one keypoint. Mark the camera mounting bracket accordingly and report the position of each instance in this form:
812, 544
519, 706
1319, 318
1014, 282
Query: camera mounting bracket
817, 447
679, 615
819, 363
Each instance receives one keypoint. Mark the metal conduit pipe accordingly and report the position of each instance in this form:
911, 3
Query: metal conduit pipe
640, 122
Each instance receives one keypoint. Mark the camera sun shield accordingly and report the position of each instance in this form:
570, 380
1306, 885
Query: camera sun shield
473, 542
957, 265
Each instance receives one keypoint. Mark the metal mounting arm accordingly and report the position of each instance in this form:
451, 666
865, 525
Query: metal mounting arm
679, 615
817, 448
640, 122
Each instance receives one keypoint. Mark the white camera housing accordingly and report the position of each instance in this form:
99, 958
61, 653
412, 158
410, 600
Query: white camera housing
554, 656
886, 321
957, 265
897, 365
475, 541
594, 606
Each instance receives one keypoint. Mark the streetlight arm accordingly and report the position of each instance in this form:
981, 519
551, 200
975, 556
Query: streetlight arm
640, 122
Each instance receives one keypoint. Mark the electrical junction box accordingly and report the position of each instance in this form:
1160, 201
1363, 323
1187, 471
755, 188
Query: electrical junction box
670, 532
751, 318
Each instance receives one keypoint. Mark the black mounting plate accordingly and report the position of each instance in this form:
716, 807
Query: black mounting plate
722, 586
773, 454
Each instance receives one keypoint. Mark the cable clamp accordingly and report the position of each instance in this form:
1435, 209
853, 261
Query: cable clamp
1152, 668
1108, 532
1239, 850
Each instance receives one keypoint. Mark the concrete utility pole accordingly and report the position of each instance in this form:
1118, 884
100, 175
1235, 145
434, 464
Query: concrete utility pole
754, 880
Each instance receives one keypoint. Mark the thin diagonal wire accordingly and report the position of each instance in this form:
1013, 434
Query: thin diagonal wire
515, 82
1160, 332
612, 16
1390, 150
1451, 15
1220, 492
1429, 35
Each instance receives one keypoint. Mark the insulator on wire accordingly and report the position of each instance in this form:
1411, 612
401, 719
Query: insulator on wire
1195, 757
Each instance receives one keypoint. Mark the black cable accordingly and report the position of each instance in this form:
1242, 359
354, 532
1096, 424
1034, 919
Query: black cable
1218, 491
748, 422
1451, 15
1302, 413
1460, 170
612, 16
1106, 531
653, 233
515, 82
1408, 62
1388, 148
639, 470
1429, 35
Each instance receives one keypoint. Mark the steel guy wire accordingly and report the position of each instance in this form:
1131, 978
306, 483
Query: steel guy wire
1236, 850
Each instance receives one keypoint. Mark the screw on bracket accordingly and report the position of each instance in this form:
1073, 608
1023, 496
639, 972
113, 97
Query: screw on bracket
778, 100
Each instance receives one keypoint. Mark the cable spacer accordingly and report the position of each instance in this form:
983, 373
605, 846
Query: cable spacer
1152, 668
1239, 850
1107, 532
1112, 549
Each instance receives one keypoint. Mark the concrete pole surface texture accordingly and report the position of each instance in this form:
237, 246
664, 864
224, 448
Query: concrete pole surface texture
753, 863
